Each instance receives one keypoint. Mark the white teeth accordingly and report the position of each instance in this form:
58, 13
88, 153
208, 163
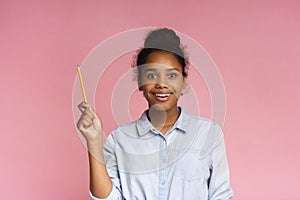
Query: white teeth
162, 95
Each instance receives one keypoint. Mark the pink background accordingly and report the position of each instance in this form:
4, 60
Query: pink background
255, 45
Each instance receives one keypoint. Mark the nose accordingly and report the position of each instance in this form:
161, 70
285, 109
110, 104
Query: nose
161, 83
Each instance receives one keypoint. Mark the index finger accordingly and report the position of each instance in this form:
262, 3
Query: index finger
83, 106
91, 113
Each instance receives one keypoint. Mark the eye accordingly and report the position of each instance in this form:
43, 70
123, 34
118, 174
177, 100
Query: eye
172, 75
151, 76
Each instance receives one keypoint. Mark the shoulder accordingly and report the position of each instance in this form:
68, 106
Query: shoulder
204, 124
123, 133
129, 126
207, 134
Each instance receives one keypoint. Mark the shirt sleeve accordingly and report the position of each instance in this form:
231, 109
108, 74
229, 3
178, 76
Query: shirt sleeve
112, 170
114, 195
219, 183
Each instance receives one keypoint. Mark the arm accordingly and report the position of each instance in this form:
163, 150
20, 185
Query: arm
219, 184
100, 183
90, 126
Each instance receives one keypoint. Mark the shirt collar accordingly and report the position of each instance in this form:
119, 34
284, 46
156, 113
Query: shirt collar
182, 123
143, 124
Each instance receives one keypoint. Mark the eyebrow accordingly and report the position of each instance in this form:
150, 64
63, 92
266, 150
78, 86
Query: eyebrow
154, 69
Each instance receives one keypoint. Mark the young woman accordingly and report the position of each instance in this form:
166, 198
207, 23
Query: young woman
167, 153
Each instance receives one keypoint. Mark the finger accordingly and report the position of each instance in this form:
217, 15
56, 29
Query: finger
80, 125
83, 124
91, 112
82, 106
86, 123
87, 118
98, 123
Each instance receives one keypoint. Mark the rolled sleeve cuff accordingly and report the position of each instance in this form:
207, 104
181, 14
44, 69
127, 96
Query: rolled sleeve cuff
114, 195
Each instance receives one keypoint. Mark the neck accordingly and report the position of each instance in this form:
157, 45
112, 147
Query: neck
162, 119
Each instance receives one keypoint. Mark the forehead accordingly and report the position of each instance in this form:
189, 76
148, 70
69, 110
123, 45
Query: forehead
162, 60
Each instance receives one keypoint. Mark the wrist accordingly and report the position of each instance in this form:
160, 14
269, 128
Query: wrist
95, 149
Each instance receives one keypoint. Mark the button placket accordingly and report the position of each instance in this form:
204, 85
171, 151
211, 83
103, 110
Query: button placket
163, 168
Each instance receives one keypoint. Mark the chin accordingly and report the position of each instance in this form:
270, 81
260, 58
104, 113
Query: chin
161, 107
158, 107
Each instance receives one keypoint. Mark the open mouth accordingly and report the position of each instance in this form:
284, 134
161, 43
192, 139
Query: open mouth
162, 96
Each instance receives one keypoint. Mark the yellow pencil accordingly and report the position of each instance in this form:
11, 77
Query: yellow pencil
81, 83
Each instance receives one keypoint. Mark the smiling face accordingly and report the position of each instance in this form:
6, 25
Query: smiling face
162, 80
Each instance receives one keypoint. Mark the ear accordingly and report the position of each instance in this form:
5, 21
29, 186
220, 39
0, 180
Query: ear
140, 85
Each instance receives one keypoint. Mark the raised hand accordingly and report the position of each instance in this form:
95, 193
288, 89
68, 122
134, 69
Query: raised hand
90, 126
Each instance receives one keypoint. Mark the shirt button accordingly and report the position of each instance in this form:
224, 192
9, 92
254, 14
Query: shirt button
163, 182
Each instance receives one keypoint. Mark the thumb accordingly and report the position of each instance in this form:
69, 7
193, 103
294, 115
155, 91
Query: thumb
92, 112
96, 119
97, 123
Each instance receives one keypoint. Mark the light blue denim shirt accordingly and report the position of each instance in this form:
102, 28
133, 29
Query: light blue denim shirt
188, 162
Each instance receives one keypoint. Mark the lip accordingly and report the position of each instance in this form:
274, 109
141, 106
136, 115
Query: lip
162, 96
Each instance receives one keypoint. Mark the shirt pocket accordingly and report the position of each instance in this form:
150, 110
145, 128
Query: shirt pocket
191, 167
191, 173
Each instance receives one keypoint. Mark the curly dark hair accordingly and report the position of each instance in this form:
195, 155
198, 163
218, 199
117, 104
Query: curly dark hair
162, 39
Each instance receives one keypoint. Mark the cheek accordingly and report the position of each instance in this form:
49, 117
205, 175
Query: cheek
145, 88
145, 81
178, 85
